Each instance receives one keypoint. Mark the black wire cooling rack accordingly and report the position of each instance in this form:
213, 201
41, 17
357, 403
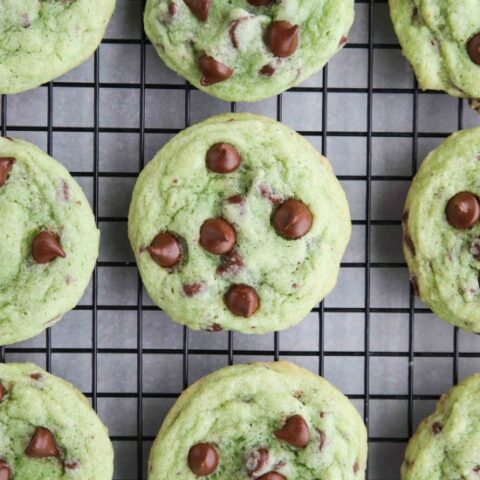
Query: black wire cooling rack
386, 450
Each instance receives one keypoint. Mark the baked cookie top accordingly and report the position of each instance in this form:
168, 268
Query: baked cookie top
48, 429
442, 231
49, 241
246, 50
265, 421
41, 40
446, 444
238, 223
441, 39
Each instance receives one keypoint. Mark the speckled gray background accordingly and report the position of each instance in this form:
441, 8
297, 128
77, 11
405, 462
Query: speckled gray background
344, 339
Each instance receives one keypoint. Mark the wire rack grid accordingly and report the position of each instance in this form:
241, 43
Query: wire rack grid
371, 337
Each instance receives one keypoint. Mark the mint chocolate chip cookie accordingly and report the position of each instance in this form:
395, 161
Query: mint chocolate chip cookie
247, 50
49, 241
238, 223
446, 444
264, 421
41, 40
48, 431
441, 39
442, 230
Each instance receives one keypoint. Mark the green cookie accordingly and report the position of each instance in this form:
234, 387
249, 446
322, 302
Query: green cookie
441, 39
446, 445
442, 231
48, 430
252, 250
41, 40
49, 241
247, 50
246, 421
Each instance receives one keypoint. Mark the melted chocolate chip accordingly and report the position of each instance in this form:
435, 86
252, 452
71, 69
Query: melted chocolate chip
463, 210
223, 158
267, 70
409, 243
475, 249
437, 427
283, 38
36, 376
292, 219
42, 445
214, 327
235, 199
322, 441
199, 8
3, 392
242, 300
46, 247
230, 264
217, 236
213, 71
272, 476
259, 3
5, 472
6, 164
192, 289
473, 48
71, 465
295, 432
233, 30
256, 461
203, 459
356, 467
165, 249
172, 9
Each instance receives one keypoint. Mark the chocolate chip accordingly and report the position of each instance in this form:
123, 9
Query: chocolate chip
356, 467
199, 8
475, 248
476, 469
405, 217
474, 48
165, 249
172, 9
267, 70
213, 71
259, 3
6, 164
409, 243
46, 247
267, 193
214, 327
283, 38
223, 158
217, 236
414, 284
322, 441
42, 445
342, 41
256, 461
437, 427
5, 472
463, 210
3, 392
230, 264
272, 476
36, 376
233, 28
192, 289
292, 220
235, 199
71, 465
242, 300
203, 459
295, 432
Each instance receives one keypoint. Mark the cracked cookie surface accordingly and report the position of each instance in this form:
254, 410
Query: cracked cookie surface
446, 444
41, 40
251, 250
247, 50
48, 430
49, 241
442, 231
261, 421
441, 39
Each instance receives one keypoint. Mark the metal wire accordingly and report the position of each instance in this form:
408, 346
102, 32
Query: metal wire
142, 440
